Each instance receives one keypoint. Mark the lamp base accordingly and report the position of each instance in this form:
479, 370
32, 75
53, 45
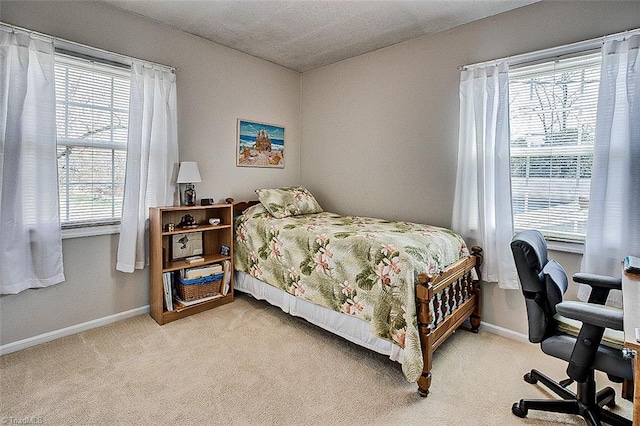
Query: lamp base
189, 195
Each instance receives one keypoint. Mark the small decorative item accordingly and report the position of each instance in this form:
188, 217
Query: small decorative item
170, 227
259, 144
186, 245
189, 174
187, 221
214, 221
224, 250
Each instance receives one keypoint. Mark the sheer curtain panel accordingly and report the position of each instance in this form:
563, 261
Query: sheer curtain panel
30, 236
482, 203
152, 156
613, 226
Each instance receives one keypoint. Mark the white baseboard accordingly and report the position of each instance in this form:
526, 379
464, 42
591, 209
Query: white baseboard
63, 332
504, 332
68, 331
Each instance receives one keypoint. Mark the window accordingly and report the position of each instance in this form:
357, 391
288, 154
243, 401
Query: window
92, 114
552, 116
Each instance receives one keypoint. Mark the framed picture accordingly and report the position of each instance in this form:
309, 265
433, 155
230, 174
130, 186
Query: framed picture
187, 244
259, 144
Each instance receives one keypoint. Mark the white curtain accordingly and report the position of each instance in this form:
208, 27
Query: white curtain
152, 156
30, 236
613, 226
482, 204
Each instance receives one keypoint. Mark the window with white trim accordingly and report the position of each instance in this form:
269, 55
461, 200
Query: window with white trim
552, 117
92, 117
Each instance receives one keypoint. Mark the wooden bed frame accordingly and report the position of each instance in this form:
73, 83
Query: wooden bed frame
452, 285
443, 303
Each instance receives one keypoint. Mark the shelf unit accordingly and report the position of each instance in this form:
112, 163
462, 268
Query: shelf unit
213, 237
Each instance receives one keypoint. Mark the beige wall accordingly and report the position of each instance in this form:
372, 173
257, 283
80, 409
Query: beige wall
380, 131
216, 85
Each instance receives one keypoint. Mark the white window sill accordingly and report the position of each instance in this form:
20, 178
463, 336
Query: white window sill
90, 231
566, 247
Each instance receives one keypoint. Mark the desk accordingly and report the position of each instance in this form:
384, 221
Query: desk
631, 306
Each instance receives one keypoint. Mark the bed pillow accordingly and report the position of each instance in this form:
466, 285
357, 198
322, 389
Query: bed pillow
289, 201
255, 210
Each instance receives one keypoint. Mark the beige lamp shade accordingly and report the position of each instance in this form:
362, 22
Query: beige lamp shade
189, 172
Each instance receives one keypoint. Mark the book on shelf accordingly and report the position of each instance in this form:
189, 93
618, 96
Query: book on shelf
168, 291
201, 271
194, 259
182, 304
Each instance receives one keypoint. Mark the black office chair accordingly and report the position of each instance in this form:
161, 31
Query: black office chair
580, 333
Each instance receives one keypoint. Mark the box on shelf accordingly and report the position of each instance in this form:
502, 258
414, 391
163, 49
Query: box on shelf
198, 288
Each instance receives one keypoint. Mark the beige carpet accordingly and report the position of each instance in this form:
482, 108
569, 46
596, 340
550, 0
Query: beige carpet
249, 363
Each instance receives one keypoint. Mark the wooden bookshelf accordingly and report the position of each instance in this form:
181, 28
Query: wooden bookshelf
161, 253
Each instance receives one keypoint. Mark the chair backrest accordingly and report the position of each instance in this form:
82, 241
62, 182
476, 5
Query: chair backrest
543, 282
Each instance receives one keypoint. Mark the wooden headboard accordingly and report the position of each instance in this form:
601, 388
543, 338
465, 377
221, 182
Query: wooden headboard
238, 208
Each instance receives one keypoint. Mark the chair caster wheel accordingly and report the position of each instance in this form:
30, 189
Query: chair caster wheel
518, 411
530, 379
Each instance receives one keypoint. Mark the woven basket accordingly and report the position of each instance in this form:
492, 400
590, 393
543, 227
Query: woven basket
189, 290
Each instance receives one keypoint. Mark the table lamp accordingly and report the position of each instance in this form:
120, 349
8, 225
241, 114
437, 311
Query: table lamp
189, 174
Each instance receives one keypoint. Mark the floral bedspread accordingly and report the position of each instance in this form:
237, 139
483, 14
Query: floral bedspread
363, 267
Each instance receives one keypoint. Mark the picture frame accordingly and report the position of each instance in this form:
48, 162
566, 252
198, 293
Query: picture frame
259, 144
186, 244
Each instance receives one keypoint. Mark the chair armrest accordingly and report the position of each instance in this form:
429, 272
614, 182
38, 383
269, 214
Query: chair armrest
594, 280
600, 286
589, 313
595, 318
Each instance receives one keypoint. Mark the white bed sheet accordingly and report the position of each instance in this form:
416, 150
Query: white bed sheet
353, 329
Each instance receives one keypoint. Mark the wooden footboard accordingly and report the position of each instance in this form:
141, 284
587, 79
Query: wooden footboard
443, 303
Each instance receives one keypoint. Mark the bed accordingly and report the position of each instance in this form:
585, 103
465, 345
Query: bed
398, 288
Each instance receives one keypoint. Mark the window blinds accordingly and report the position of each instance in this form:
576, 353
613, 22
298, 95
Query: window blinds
92, 114
552, 108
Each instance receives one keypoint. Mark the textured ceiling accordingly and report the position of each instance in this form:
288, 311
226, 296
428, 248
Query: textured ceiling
303, 34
